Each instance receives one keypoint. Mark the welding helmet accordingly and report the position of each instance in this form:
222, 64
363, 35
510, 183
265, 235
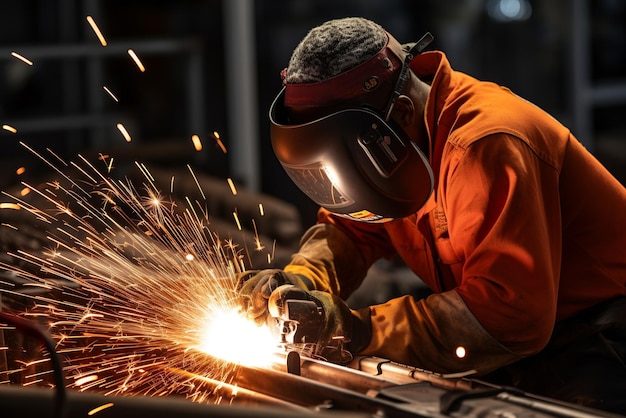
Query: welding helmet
355, 162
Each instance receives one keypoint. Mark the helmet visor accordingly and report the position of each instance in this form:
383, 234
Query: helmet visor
353, 163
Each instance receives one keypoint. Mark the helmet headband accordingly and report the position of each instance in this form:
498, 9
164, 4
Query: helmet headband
365, 78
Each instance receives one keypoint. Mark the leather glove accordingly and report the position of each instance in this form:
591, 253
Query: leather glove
333, 326
256, 286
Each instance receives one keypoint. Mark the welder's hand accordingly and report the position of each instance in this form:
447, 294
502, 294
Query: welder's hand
344, 328
311, 316
256, 286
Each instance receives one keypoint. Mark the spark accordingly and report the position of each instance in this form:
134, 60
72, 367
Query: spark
233, 190
196, 142
196, 180
21, 58
86, 379
147, 288
261, 210
217, 138
135, 58
95, 28
9, 128
460, 352
257, 240
5, 205
20, 171
25, 191
110, 93
124, 132
100, 408
237, 220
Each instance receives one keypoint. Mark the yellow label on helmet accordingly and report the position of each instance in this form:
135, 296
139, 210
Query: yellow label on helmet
366, 216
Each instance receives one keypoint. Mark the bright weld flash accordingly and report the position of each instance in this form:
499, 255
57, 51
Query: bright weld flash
228, 335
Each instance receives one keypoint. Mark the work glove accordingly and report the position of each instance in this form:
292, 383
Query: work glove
337, 330
256, 286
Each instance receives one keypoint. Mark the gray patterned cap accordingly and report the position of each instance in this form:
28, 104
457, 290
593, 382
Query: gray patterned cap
333, 48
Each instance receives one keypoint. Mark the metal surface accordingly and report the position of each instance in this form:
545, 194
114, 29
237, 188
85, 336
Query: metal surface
319, 388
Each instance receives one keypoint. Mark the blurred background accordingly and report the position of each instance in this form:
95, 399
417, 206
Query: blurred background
213, 67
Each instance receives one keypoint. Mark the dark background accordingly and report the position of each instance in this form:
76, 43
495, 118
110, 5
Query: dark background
567, 56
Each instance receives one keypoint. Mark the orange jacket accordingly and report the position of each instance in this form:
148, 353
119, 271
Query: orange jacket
524, 228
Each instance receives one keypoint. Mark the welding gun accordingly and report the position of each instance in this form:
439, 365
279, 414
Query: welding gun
299, 317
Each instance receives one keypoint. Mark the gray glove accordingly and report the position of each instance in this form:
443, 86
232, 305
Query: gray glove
256, 286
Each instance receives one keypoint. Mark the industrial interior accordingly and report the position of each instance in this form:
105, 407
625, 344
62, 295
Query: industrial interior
186, 120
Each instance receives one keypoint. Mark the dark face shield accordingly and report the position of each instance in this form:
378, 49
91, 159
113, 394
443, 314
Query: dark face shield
353, 163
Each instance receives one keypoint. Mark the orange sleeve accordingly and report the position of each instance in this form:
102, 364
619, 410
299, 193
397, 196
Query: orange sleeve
503, 209
502, 206
336, 253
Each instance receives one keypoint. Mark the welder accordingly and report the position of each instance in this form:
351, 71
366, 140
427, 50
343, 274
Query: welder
517, 229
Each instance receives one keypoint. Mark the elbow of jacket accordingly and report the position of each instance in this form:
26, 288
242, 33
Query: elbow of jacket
530, 338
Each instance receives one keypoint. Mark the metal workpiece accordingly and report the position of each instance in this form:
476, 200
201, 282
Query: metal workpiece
395, 390
296, 385
401, 374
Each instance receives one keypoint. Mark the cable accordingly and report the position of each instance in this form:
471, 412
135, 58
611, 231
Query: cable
35, 330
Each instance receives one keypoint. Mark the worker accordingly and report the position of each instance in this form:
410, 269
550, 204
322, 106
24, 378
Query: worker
517, 229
